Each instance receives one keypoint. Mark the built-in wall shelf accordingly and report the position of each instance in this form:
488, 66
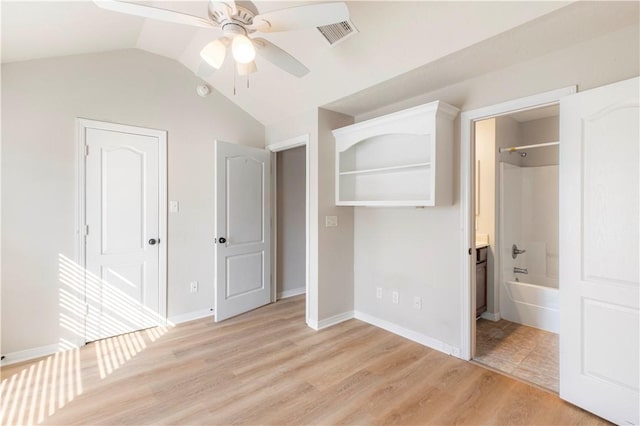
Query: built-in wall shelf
400, 159
387, 169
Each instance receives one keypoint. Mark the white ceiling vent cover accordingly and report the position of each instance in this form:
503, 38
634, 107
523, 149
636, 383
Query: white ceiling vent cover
335, 33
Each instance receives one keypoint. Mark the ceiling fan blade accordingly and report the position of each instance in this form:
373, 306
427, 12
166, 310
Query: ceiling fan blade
153, 13
205, 70
279, 57
246, 69
296, 18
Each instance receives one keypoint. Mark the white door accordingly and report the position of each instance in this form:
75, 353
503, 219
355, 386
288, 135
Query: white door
243, 217
122, 205
599, 254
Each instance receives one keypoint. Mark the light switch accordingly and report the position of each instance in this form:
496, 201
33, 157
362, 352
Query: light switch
330, 221
173, 207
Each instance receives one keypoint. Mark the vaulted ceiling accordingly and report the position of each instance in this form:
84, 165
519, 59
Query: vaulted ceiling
394, 38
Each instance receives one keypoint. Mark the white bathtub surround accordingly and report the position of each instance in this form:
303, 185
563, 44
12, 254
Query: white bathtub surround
531, 304
529, 219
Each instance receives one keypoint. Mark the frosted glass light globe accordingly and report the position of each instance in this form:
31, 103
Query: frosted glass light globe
242, 49
214, 53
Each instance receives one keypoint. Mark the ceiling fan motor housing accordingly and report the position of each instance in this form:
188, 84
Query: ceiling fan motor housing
223, 14
232, 29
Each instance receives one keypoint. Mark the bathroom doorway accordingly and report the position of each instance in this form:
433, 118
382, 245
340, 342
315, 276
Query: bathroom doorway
516, 253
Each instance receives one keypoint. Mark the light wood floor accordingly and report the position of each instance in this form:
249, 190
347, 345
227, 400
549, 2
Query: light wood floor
268, 367
524, 352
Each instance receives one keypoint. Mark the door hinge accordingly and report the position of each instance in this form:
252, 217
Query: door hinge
86, 150
86, 230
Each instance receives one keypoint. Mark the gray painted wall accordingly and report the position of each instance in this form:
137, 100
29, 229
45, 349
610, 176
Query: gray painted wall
418, 251
331, 259
291, 210
540, 131
40, 101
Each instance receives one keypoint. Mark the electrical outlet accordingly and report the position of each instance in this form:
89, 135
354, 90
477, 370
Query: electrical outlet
379, 292
417, 302
194, 286
395, 297
173, 207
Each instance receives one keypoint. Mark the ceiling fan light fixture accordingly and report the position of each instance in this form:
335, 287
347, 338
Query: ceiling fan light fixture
246, 69
236, 19
214, 53
242, 49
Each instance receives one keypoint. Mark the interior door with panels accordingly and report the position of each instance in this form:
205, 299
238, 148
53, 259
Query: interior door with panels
123, 227
243, 218
599, 251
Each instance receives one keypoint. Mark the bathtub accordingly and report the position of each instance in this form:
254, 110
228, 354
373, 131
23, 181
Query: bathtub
535, 303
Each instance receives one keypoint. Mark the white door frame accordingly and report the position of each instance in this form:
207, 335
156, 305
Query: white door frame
82, 124
295, 142
467, 200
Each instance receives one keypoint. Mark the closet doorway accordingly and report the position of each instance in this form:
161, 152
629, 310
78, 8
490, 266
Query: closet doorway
290, 227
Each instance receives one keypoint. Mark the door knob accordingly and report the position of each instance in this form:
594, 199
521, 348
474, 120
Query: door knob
515, 251
222, 240
153, 241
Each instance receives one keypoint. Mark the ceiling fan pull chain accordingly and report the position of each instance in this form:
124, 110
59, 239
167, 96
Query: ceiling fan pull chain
234, 83
247, 81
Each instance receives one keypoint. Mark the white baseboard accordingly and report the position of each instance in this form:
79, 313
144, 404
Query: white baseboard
408, 334
27, 354
491, 316
190, 316
328, 322
290, 293
336, 319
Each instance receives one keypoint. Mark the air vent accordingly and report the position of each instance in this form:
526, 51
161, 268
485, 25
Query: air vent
336, 33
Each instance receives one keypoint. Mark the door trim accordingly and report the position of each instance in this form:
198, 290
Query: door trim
467, 200
82, 124
295, 142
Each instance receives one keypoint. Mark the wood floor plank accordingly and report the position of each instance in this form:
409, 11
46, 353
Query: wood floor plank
267, 367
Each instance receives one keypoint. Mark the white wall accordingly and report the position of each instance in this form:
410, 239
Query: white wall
419, 251
540, 217
291, 193
40, 100
530, 220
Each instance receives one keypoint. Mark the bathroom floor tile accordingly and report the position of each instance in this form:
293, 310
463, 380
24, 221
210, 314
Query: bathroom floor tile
525, 352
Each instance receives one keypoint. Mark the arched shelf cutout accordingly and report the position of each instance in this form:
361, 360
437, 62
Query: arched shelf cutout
401, 159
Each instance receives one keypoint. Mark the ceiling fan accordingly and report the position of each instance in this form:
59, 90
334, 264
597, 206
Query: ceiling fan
239, 19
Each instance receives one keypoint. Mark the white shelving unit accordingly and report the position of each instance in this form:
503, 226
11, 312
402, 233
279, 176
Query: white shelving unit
400, 159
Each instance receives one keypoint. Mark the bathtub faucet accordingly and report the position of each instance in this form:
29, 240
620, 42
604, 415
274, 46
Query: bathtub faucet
517, 270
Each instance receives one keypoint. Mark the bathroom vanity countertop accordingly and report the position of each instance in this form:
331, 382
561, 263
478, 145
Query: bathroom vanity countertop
482, 240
